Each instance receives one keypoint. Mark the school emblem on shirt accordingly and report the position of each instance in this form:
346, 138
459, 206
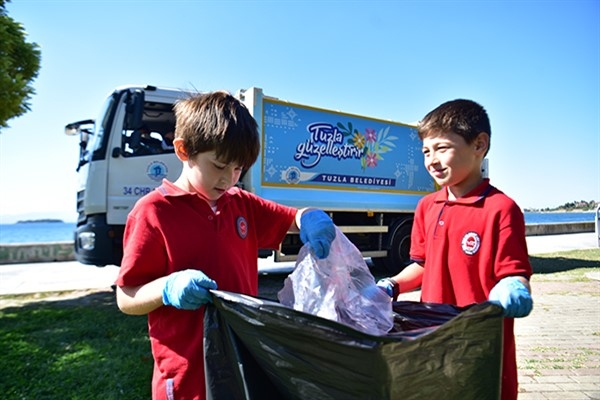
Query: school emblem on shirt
242, 227
470, 243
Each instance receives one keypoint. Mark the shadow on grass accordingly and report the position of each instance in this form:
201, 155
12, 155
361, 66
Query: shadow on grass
82, 348
548, 265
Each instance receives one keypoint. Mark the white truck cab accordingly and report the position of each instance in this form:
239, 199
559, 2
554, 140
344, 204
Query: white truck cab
123, 155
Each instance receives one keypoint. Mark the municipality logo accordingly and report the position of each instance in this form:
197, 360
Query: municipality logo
292, 175
157, 171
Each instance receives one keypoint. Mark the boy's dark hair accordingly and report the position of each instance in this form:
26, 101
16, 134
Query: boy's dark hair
463, 117
220, 122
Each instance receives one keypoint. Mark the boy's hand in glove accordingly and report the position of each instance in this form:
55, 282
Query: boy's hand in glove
389, 286
188, 289
513, 296
317, 229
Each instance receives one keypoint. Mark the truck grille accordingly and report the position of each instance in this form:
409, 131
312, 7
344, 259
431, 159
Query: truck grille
80, 211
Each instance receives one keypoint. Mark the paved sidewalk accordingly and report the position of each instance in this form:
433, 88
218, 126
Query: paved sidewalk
558, 344
54, 277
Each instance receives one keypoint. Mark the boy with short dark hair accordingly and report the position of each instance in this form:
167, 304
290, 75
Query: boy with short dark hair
468, 239
188, 236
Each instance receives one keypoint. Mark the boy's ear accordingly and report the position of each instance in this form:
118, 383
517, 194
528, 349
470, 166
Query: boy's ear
180, 150
482, 142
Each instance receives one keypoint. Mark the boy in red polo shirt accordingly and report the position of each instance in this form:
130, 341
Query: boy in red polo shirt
468, 239
199, 232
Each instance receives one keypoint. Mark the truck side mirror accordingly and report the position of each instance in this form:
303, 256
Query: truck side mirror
134, 109
74, 128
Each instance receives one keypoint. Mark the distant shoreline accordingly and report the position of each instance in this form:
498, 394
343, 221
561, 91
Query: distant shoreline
33, 221
557, 211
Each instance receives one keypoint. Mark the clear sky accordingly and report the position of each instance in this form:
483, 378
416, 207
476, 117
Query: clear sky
534, 65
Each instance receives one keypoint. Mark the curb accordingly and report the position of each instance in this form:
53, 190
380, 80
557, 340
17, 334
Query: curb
19, 253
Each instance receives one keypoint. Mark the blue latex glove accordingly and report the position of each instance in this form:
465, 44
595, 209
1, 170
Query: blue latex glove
188, 289
371, 292
390, 287
513, 296
317, 229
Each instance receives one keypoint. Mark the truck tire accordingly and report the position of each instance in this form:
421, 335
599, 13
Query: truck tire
399, 249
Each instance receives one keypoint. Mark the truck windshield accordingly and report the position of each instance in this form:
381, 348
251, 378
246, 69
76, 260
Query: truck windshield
92, 143
103, 124
156, 134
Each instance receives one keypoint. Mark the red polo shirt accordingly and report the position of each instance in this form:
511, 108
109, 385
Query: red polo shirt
466, 246
170, 230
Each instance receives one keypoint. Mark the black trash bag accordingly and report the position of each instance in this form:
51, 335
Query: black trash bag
261, 350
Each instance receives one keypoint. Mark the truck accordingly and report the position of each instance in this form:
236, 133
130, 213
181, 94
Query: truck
366, 173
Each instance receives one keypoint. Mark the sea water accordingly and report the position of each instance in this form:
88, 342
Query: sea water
535, 218
37, 232
43, 232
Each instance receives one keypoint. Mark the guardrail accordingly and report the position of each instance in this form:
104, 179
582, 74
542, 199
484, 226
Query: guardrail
63, 251
559, 229
17, 253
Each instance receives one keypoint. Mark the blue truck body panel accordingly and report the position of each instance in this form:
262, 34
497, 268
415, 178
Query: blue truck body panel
333, 160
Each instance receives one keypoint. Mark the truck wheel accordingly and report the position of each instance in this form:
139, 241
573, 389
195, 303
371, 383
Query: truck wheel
399, 250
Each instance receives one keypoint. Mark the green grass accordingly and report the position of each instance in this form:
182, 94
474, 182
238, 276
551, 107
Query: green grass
74, 349
85, 348
570, 266
556, 358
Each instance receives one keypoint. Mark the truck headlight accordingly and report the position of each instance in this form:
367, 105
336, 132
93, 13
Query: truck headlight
87, 240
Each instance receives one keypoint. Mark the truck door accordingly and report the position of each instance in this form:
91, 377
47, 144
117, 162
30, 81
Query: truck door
141, 155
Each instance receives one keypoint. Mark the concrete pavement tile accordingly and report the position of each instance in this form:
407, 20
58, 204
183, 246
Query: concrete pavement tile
590, 387
554, 379
593, 395
587, 371
524, 378
532, 396
566, 395
587, 378
540, 387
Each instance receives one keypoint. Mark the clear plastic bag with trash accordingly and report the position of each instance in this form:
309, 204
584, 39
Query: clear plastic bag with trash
339, 288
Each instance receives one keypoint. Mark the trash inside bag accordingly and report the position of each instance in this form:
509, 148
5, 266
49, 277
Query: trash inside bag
339, 287
257, 349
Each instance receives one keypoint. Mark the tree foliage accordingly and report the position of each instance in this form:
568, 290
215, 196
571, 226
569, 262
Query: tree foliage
19, 65
580, 205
